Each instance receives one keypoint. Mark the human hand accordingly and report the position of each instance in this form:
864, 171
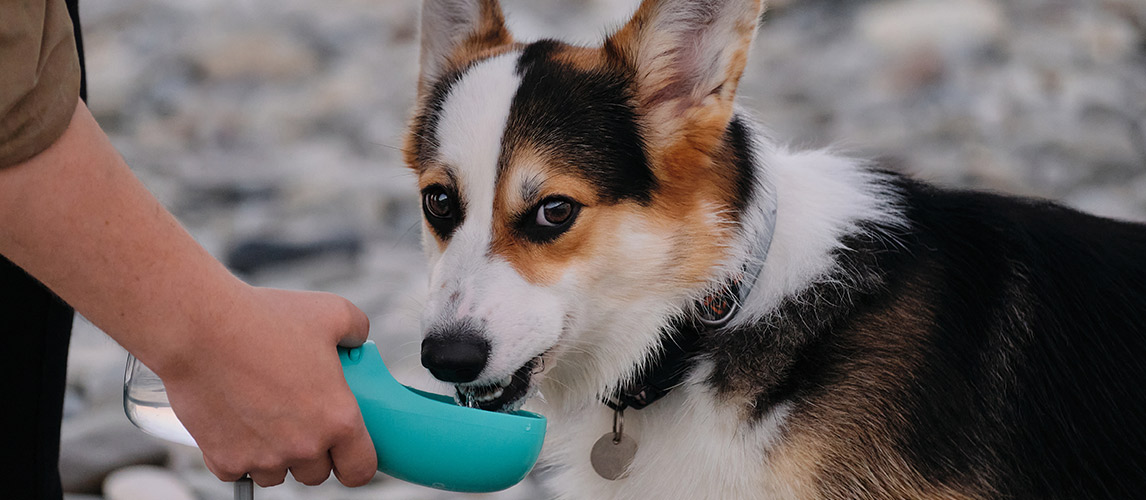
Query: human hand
262, 390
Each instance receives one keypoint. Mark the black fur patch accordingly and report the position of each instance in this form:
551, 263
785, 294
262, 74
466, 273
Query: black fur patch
738, 138
1027, 377
584, 119
424, 126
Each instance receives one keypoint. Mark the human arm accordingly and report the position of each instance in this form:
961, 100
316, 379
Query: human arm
251, 372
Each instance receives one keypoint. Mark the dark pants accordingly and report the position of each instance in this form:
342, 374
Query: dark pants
35, 326
34, 329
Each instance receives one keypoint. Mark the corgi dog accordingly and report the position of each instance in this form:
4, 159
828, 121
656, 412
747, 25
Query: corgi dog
702, 313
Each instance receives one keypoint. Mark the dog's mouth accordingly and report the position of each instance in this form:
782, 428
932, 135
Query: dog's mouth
505, 395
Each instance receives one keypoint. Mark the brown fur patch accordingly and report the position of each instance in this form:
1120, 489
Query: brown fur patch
435, 173
841, 443
586, 242
410, 145
582, 58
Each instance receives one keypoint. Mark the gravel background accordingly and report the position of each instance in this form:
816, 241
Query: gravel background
271, 127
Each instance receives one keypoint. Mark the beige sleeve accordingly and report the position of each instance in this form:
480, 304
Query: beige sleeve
39, 76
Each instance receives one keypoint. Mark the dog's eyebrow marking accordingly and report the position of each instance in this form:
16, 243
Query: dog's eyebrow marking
531, 189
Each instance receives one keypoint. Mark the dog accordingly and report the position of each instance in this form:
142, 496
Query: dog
704, 314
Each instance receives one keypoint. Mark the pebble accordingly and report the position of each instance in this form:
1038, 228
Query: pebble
956, 28
143, 482
254, 55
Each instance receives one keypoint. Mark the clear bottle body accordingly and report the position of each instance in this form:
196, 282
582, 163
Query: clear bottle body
146, 405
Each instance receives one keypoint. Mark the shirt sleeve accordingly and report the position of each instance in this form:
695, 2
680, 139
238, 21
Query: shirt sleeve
39, 76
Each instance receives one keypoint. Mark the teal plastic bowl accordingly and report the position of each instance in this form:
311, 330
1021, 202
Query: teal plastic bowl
429, 440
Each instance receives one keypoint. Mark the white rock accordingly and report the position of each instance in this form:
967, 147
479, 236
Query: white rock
949, 26
256, 54
145, 482
1107, 38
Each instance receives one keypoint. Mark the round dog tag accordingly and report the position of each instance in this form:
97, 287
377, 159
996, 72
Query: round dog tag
611, 457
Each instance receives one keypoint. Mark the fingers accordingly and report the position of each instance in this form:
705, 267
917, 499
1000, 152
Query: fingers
309, 471
312, 472
269, 477
264, 476
227, 475
354, 458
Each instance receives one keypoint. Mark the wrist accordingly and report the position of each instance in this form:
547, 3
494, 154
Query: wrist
201, 326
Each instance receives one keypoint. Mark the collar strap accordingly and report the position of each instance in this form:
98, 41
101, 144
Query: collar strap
680, 343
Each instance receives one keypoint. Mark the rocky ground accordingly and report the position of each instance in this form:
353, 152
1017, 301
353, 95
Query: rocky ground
271, 128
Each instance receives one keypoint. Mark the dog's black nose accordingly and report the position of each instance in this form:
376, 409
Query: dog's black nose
455, 357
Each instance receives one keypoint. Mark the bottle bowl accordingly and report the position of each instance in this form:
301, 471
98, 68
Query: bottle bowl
429, 439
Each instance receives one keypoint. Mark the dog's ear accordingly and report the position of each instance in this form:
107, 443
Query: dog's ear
454, 31
688, 56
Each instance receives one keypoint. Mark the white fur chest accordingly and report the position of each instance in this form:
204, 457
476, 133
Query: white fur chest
690, 447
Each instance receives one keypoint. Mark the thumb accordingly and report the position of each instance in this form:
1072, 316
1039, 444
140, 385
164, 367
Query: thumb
356, 325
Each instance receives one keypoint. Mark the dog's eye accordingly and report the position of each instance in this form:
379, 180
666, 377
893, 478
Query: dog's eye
437, 203
443, 209
548, 219
555, 212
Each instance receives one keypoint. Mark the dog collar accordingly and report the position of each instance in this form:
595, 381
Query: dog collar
681, 341
680, 344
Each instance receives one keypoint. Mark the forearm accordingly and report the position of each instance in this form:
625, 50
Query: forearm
76, 218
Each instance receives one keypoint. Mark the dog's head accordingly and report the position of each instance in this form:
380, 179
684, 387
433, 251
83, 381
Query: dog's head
575, 199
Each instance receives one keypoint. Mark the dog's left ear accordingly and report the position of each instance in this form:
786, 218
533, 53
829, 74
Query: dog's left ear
454, 31
688, 56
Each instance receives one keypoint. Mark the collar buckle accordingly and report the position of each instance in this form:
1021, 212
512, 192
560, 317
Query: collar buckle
715, 310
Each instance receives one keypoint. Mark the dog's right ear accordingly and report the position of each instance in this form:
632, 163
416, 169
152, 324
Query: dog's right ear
687, 57
455, 31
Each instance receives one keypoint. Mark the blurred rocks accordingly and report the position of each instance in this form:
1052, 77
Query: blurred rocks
250, 256
956, 29
253, 55
1026, 96
273, 130
96, 444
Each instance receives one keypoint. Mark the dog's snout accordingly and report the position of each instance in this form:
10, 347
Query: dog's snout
456, 357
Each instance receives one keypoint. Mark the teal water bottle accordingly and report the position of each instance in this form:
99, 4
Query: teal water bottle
419, 437
430, 440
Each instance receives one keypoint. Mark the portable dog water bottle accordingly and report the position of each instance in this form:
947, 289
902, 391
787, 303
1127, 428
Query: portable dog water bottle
419, 437
430, 440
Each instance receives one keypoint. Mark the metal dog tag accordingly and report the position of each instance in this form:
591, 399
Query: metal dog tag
611, 456
614, 452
